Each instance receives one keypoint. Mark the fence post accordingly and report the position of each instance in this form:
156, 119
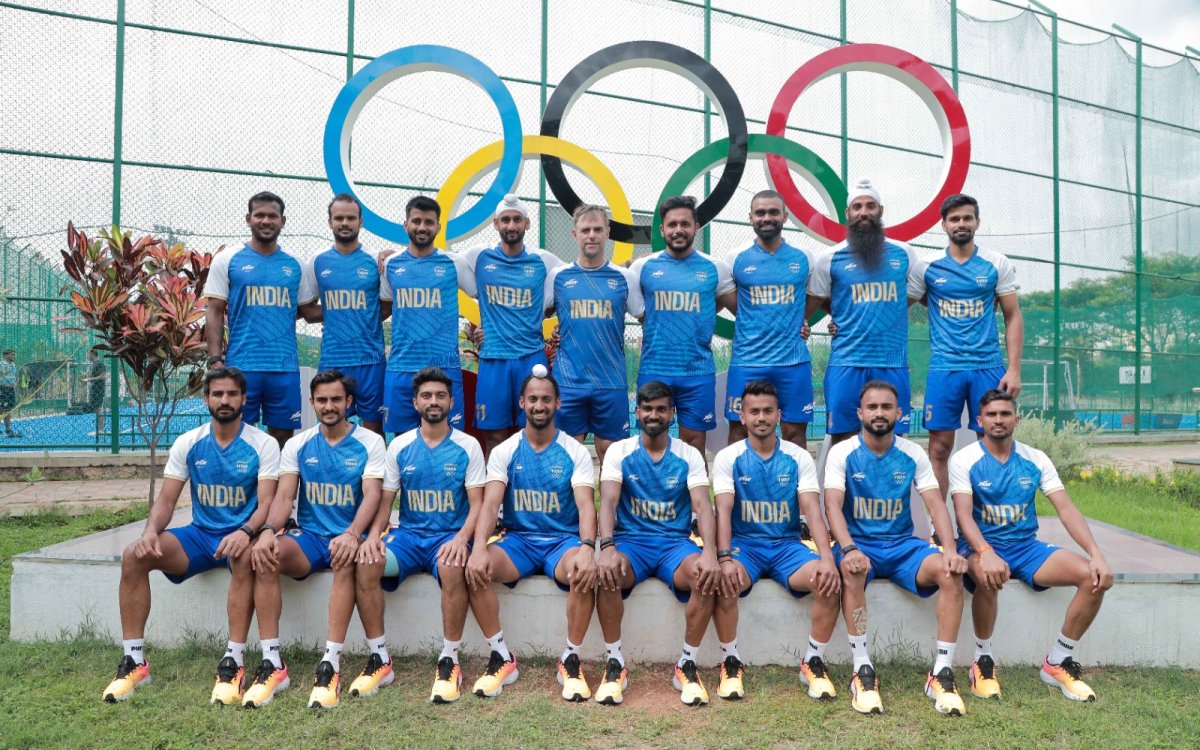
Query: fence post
544, 85
954, 44
349, 39
707, 238
1137, 236
845, 126
118, 127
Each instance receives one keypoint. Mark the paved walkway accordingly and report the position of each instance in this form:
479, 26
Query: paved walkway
1144, 459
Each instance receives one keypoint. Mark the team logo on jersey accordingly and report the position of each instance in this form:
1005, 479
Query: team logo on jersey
201, 463
570, 283
981, 280
708, 418
784, 479
794, 267
519, 467
456, 419
351, 463
529, 271
490, 267
449, 469
895, 264
326, 273
612, 284
401, 269
248, 267
556, 472
656, 274
939, 281
439, 271
296, 416
985, 484
849, 266
632, 477
701, 276
744, 479
1025, 482
672, 482
749, 269
858, 476
242, 467
286, 270
899, 476
362, 273
312, 461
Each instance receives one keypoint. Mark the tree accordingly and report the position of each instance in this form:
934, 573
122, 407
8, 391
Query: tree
143, 301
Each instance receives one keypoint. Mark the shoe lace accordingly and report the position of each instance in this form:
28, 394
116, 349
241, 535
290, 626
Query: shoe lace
805, 532
265, 669
612, 671
866, 677
445, 668
945, 678
732, 666
572, 666
227, 670
817, 667
126, 666
325, 673
987, 667
689, 671
374, 664
1071, 667
495, 662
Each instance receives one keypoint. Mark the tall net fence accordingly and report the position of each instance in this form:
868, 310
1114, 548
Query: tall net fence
165, 115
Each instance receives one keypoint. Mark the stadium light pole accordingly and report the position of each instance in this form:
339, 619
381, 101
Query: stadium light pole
1137, 237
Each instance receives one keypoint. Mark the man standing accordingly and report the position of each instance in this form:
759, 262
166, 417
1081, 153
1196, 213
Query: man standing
683, 289
438, 473
544, 480
963, 284
868, 481
261, 288
8, 390
232, 468
333, 472
95, 388
770, 332
866, 283
592, 297
763, 485
994, 482
650, 486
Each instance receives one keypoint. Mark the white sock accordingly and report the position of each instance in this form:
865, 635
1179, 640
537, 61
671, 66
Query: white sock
613, 651
858, 649
496, 643
570, 649
815, 648
450, 648
135, 649
270, 649
983, 647
945, 656
1063, 649
379, 646
688, 654
237, 652
730, 649
333, 655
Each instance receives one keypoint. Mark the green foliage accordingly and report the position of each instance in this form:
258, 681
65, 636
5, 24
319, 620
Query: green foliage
1179, 485
1067, 448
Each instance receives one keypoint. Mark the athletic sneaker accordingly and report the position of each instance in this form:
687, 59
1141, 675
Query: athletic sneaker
574, 684
447, 684
687, 682
730, 687
816, 677
806, 537
936, 541
269, 680
694, 533
864, 691
945, 695
1067, 677
498, 674
375, 675
130, 675
612, 688
985, 683
327, 687
228, 689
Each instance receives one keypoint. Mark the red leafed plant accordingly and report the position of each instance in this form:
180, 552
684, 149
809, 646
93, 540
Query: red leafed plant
143, 301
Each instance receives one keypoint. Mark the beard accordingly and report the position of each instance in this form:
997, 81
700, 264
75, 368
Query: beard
866, 242
654, 429
229, 418
886, 429
432, 416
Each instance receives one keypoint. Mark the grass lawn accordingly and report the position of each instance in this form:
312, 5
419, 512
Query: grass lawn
1138, 508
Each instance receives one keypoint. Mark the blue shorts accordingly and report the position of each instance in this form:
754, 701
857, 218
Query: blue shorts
276, 395
200, 546
498, 390
536, 553
843, 391
777, 558
411, 552
945, 392
399, 414
1023, 558
695, 398
368, 395
897, 560
794, 383
658, 556
315, 547
604, 412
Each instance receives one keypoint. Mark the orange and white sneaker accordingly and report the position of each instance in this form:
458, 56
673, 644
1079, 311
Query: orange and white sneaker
378, 673
864, 691
447, 684
574, 684
230, 678
814, 676
687, 682
498, 674
612, 688
731, 688
327, 687
130, 675
1067, 677
985, 681
269, 680
945, 695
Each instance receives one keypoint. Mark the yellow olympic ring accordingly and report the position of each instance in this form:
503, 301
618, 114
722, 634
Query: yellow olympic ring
454, 188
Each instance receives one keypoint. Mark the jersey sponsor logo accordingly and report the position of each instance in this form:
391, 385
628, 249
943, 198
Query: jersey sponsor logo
632, 477
248, 267
345, 299
749, 269
536, 501
652, 510
429, 501
708, 417
657, 274
570, 283
849, 266
449, 469
784, 479
1025, 482
672, 482
220, 495
519, 467
418, 297
858, 476
794, 267
672, 301
351, 463
268, 296
773, 294
202, 463
286, 270
899, 477
960, 308
556, 472
329, 494
765, 511
408, 469
985, 484
296, 416
362, 273
312, 461
401, 269
326, 273
939, 281
701, 276
1002, 515
591, 309
529, 271
873, 291
613, 284
242, 467
878, 509
439, 271
744, 479
490, 267
895, 264
509, 296
981, 280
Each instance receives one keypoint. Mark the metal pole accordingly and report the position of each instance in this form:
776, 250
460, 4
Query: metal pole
349, 39
707, 238
114, 390
1057, 212
544, 86
954, 44
845, 127
1137, 238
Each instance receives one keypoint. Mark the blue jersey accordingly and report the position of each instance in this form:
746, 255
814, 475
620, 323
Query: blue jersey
1003, 493
877, 505
224, 480
681, 311
656, 497
539, 488
770, 309
423, 293
766, 491
962, 308
352, 334
591, 304
262, 293
869, 306
513, 296
433, 481
330, 488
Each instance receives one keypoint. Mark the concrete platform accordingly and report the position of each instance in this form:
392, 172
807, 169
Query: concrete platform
1148, 618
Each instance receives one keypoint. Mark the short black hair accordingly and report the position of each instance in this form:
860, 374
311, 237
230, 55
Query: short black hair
767, 194
344, 198
422, 203
264, 196
882, 384
432, 375
531, 376
333, 376
760, 388
957, 200
678, 201
225, 371
654, 390
995, 394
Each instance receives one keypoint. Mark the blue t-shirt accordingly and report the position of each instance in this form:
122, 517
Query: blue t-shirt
656, 497
962, 308
538, 493
591, 304
869, 306
681, 311
330, 488
1003, 493
877, 505
770, 310
423, 293
262, 293
433, 481
513, 296
766, 491
224, 480
352, 334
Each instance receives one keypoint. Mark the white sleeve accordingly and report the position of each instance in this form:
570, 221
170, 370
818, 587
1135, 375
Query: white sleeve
697, 475
498, 461
924, 479
308, 284
376, 467
551, 263
268, 456
724, 277
289, 458
1006, 281
391, 466
217, 285
476, 471
177, 466
835, 465
584, 474
818, 279
548, 289
635, 303
960, 471
635, 270
385, 285
611, 470
464, 266
806, 481
1050, 480
916, 273
722, 471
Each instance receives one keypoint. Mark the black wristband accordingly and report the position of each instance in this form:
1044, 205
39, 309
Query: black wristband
606, 545
247, 530
216, 358
267, 526
606, 540
849, 548
587, 543
724, 553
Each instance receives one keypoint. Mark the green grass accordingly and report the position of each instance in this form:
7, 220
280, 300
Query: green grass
1136, 507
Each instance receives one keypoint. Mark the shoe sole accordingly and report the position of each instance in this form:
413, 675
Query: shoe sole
816, 696
733, 696
439, 700
319, 705
382, 683
110, 698
678, 686
507, 681
287, 683
876, 710
1053, 682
